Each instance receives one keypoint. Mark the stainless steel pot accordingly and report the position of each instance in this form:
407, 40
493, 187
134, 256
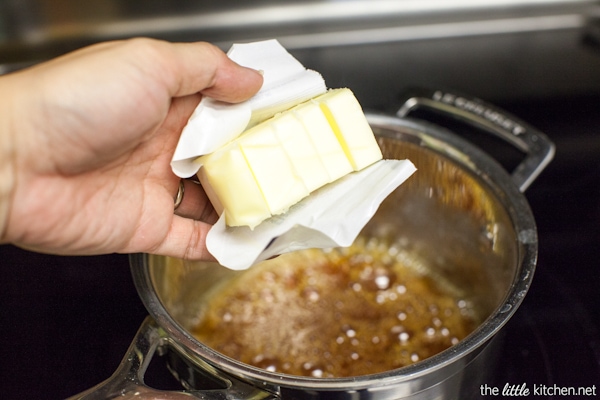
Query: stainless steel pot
461, 213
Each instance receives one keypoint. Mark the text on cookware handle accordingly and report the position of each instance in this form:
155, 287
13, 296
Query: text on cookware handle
539, 150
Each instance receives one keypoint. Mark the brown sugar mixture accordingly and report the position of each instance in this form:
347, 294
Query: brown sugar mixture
338, 313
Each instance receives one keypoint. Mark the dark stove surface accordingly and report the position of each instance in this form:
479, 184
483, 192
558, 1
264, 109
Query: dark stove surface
66, 322
554, 339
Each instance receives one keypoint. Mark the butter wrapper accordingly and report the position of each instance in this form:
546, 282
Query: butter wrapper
213, 123
331, 216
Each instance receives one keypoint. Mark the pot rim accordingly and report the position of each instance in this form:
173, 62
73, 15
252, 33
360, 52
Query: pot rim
448, 144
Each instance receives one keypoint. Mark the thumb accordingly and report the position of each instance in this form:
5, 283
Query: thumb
203, 67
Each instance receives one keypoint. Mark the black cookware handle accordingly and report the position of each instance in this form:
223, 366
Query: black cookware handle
128, 380
538, 149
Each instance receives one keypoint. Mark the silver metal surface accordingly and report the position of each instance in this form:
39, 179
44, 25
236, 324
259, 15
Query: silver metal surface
494, 49
537, 147
128, 381
358, 18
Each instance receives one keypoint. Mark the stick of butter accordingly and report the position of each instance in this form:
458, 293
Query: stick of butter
277, 163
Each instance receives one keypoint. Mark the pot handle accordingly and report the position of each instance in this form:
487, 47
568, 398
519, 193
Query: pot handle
127, 382
538, 149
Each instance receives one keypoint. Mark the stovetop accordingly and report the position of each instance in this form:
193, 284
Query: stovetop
66, 322
554, 339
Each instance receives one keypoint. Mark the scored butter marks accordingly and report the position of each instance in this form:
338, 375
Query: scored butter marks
280, 161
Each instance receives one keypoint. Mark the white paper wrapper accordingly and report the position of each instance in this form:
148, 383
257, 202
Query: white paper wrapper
331, 216
213, 123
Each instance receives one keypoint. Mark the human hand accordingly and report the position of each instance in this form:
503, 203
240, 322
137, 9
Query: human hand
88, 139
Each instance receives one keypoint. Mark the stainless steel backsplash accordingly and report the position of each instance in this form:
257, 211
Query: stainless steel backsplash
494, 49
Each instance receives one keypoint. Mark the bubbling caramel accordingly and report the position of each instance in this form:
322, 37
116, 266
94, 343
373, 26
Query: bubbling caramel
337, 313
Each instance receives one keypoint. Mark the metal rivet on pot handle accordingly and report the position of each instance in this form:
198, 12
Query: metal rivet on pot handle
538, 148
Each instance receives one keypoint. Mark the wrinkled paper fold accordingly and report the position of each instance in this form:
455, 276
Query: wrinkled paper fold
214, 123
331, 216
